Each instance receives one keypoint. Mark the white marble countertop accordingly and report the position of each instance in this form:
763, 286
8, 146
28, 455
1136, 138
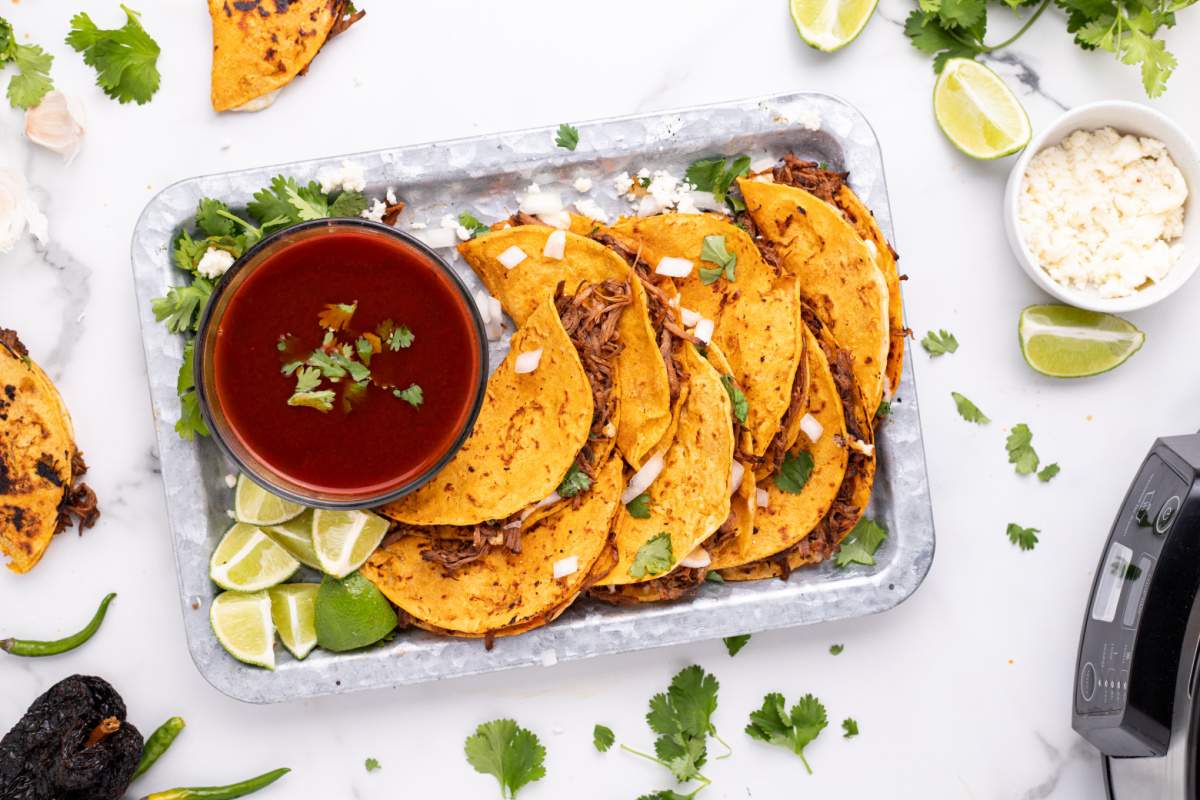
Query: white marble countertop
963, 691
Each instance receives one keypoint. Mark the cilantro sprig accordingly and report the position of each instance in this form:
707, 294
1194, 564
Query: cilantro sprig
717, 175
567, 137
575, 482
734, 644
737, 398
654, 557
125, 58
713, 251
1024, 538
32, 81
1021, 454
512, 754
968, 410
938, 343
774, 724
860, 544
639, 507
603, 738
795, 471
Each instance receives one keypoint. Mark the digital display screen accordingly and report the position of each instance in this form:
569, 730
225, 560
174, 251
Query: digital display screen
1112, 581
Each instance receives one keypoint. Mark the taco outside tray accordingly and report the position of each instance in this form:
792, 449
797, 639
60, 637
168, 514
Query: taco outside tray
484, 174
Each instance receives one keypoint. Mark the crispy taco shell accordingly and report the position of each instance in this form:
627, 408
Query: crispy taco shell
689, 499
853, 494
643, 389
504, 592
39, 462
838, 276
259, 46
529, 430
756, 315
679, 583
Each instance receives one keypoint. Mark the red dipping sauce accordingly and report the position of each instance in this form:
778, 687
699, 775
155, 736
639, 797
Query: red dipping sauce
382, 445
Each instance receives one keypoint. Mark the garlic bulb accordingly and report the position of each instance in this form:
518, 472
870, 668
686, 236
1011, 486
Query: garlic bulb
57, 123
18, 211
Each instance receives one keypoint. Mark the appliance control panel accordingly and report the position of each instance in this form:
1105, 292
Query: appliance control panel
1132, 642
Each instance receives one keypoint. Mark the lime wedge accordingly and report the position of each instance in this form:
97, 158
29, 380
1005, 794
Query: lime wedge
1066, 342
293, 610
242, 623
257, 506
295, 536
345, 539
247, 560
830, 25
978, 112
352, 613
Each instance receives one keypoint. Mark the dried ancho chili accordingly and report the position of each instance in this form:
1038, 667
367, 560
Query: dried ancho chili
72, 744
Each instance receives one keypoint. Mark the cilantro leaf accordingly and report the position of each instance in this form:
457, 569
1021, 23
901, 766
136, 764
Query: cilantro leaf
180, 308
191, 422
567, 137
309, 201
603, 738
714, 175
939, 343
860, 544
272, 203
472, 224
794, 472
307, 394
1024, 538
737, 398
125, 58
335, 316
507, 751
371, 765
396, 337
734, 644
210, 219
836, 649
968, 410
32, 81
714, 577
413, 395
654, 557
850, 726
348, 204
713, 251
884, 410
1020, 449
682, 718
666, 794
575, 482
639, 507
1048, 472
794, 730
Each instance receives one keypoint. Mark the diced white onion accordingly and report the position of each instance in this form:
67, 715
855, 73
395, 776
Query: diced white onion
548, 500
556, 245
511, 257
867, 450
539, 202
762, 498
735, 477
437, 238
674, 267
642, 479
559, 219
704, 330
566, 566
697, 559
690, 318
527, 362
495, 310
811, 427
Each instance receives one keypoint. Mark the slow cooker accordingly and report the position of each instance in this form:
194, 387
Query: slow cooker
1139, 652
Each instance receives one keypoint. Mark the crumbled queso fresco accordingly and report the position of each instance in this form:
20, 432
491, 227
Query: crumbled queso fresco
1103, 211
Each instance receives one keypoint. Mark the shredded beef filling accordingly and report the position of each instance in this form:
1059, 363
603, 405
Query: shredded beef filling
78, 504
476, 542
811, 177
726, 533
10, 340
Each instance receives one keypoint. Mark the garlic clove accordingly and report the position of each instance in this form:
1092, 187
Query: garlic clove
58, 123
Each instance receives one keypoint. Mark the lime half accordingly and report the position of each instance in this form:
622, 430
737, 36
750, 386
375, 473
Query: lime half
352, 613
295, 536
257, 506
978, 112
247, 560
293, 610
344, 540
242, 624
1067, 342
830, 25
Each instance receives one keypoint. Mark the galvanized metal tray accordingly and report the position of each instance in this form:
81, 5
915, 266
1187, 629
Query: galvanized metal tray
484, 175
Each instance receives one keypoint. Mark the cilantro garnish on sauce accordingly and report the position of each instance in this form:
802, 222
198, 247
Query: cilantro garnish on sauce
414, 395
510, 753
125, 58
794, 729
654, 557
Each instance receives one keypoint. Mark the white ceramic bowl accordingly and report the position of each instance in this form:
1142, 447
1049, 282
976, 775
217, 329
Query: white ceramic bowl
1125, 117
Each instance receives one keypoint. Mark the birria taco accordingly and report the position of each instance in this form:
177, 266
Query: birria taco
504, 592
541, 258
39, 462
753, 309
838, 275
852, 495
259, 46
833, 189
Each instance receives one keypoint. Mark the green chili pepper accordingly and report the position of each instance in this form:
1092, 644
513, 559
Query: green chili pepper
221, 792
158, 743
26, 647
